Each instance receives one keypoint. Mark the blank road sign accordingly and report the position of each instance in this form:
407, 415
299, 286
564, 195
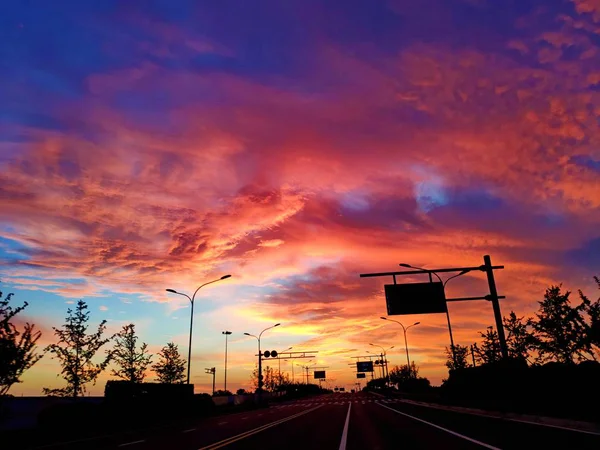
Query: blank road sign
361, 375
320, 375
415, 298
364, 366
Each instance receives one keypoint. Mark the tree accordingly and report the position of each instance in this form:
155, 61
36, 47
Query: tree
131, 363
592, 329
17, 348
241, 391
489, 352
400, 374
458, 359
222, 393
559, 328
75, 350
170, 366
518, 339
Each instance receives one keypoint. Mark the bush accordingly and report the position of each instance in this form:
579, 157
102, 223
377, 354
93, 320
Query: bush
549, 389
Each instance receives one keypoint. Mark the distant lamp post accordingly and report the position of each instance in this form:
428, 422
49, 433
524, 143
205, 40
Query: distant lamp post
405, 339
260, 375
226, 333
443, 288
191, 299
384, 362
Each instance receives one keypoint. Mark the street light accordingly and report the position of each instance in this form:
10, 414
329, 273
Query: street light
384, 356
405, 341
260, 376
191, 299
443, 288
226, 333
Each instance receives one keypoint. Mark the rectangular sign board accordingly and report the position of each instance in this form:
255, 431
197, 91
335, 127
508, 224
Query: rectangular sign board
361, 375
320, 375
415, 298
364, 366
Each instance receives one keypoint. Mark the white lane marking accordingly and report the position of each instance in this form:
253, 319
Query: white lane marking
246, 434
490, 416
595, 433
189, 431
345, 432
132, 442
475, 441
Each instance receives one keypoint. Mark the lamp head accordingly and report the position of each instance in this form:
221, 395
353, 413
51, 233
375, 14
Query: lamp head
462, 272
405, 265
226, 332
416, 323
171, 290
276, 325
247, 334
225, 276
384, 318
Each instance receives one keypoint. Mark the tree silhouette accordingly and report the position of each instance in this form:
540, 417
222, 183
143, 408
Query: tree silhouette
400, 374
559, 328
17, 348
519, 339
458, 360
489, 352
592, 329
170, 367
75, 350
131, 363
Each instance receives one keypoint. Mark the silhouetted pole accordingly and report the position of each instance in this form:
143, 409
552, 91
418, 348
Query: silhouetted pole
260, 375
473, 355
212, 371
405, 329
495, 304
226, 333
191, 299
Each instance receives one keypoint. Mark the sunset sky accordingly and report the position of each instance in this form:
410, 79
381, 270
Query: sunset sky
293, 144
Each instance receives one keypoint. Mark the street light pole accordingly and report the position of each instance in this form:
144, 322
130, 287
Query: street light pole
260, 375
226, 333
405, 329
191, 299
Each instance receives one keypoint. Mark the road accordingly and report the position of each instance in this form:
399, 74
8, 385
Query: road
361, 421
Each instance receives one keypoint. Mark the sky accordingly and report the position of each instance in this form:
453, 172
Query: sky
295, 144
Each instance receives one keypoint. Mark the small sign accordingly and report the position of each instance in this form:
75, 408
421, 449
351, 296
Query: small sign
320, 375
361, 375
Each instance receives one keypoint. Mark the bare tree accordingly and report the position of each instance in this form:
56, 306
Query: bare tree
170, 367
75, 350
131, 363
17, 348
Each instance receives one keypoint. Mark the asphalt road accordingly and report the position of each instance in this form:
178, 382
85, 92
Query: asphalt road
345, 421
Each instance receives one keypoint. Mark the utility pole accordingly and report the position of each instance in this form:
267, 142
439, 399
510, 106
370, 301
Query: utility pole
212, 371
496, 305
473, 355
